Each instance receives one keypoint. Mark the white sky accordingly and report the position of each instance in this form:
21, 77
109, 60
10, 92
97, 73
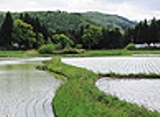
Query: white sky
131, 9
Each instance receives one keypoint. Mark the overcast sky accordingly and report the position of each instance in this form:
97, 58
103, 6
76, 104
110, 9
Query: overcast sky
131, 9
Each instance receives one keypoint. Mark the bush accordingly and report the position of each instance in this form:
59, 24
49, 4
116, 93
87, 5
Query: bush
73, 51
78, 46
130, 46
47, 49
57, 49
69, 51
31, 53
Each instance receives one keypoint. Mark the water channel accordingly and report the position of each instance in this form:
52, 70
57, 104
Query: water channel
25, 91
144, 92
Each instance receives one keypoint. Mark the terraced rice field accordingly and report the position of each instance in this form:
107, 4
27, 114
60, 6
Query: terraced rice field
144, 92
122, 65
25, 91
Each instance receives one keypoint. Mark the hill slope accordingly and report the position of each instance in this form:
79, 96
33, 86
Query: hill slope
110, 20
54, 20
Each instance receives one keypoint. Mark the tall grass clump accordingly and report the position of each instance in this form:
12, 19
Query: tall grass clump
79, 97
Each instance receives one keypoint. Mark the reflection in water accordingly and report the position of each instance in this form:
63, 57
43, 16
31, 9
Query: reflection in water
142, 92
25, 91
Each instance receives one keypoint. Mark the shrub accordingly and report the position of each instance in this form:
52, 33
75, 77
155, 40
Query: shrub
69, 51
47, 49
63, 40
78, 46
130, 46
31, 53
73, 51
58, 46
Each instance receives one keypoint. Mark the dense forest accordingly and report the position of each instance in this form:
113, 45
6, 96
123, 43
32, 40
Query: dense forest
92, 30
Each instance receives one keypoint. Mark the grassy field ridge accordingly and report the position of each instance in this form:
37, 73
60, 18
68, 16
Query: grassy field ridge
79, 97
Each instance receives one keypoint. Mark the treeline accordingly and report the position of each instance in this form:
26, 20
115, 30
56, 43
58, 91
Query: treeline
144, 32
22, 33
28, 32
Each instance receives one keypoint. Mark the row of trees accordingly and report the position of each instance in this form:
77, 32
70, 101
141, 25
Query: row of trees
144, 32
28, 33
22, 33
94, 37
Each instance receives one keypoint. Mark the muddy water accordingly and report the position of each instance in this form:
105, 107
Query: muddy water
25, 91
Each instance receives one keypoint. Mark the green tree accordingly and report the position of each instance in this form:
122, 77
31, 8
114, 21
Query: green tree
39, 40
23, 35
153, 31
6, 30
92, 35
63, 40
145, 32
37, 27
139, 33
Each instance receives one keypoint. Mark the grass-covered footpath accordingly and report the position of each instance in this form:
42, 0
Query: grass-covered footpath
86, 53
79, 97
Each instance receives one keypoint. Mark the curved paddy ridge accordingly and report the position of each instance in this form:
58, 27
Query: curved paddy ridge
25, 91
144, 92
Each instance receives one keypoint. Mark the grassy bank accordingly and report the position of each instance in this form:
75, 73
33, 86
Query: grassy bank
19, 53
7, 53
79, 97
132, 76
122, 52
87, 53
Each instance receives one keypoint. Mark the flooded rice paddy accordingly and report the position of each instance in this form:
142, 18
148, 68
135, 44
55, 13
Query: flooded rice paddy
144, 92
25, 91
122, 65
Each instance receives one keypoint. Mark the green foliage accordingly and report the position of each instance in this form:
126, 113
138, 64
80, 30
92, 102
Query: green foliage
37, 28
5, 32
139, 75
63, 40
30, 53
92, 35
69, 51
47, 49
144, 32
9, 53
59, 20
111, 21
130, 46
23, 35
78, 46
79, 96
39, 40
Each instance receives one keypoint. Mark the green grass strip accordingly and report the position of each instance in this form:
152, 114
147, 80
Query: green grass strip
131, 76
79, 97
87, 53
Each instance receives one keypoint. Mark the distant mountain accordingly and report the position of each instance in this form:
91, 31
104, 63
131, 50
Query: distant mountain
110, 20
59, 20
